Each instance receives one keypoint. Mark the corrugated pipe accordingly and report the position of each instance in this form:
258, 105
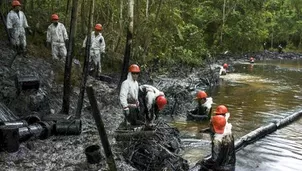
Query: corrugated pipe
264, 130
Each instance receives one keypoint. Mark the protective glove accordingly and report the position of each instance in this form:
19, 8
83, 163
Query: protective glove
30, 32
10, 33
66, 42
126, 112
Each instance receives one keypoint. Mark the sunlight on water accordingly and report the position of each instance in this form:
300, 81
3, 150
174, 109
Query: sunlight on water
245, 78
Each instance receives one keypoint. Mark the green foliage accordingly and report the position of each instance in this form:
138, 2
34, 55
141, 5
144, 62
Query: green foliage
178, 31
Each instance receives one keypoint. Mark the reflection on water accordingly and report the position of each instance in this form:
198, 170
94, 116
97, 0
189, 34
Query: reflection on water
255, 95
279, 151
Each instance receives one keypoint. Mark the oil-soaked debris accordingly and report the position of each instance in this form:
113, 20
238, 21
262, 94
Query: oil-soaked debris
154, 148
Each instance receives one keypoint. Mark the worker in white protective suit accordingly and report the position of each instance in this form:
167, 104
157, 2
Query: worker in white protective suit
223, 155
16, 25
57, 38
97, 47
151, 101
203, 109
223, 69
129, 97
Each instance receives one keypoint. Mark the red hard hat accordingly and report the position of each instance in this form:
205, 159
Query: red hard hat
54, 17
221, 110
134, 68
201, 95
98, 27
218, 123
16, 3
161, 101
225, 65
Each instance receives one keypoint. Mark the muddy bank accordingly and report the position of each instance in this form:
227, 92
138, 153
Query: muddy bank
56, 152
263, 55
67, 152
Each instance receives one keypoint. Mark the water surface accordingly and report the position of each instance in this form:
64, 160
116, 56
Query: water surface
256, 94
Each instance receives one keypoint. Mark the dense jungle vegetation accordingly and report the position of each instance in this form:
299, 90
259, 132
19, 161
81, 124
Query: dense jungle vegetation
174, 31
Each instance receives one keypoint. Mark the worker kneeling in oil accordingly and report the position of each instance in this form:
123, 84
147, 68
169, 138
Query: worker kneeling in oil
151, 101
203, 109
223, 156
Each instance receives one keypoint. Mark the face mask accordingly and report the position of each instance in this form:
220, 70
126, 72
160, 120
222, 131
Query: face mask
55, 23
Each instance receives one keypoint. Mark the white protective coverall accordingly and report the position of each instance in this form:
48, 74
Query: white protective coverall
222, 71
228, 126
17, 22
57, 35
97, 47
129, 92
208, 103
151, 94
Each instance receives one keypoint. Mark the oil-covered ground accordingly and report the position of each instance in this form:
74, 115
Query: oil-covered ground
67, 152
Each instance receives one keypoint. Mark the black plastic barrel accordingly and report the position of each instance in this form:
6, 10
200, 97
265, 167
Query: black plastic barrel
93, 154
36, 130
48, 128
68, 127
9, 138
41, 130
24, 134
27, 82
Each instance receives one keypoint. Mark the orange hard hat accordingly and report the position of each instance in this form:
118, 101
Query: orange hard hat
201, 95
161, 101
16, 3
98, 27
134, 68
225, 65
218, 123
221, 110
54, 17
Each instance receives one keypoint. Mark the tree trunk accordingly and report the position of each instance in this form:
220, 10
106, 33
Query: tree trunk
66, 12
86, 64
24, 6
68, 62
120, 26
32, 4
83, 16
101, 129
148, 36
147, 9
4, 21
91, 22
128, 43
223, 21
